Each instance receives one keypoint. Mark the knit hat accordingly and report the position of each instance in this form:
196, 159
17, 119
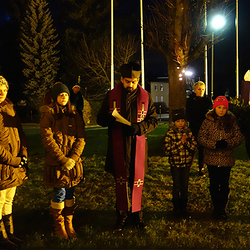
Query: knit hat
220, 100
130, 70
58, 89
4, 82
179, 114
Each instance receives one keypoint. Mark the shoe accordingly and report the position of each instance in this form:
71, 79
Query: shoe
121, 220
223, 215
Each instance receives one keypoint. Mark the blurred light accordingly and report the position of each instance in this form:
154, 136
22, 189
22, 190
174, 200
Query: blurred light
218, 21
188, 73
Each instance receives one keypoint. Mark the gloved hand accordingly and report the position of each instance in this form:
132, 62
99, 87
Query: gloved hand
222, 144
24, 162
69, 164
134, 129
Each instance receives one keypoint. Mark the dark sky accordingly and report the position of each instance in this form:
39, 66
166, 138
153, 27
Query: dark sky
224, 50
224, 53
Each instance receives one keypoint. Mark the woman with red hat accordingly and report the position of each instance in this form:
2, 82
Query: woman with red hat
219, 134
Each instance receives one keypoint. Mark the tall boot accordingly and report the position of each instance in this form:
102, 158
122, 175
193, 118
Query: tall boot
56, 210
177, 206
9, 227
5, 243
183, 207
68, 216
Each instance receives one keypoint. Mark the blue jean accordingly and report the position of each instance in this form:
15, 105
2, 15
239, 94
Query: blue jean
180, 177
61, 194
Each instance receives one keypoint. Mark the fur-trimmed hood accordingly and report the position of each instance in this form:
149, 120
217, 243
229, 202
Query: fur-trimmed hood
211, 115
227, 121
51, 109
7, 107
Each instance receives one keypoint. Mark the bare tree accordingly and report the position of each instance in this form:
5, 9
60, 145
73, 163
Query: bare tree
93, 62
176, 28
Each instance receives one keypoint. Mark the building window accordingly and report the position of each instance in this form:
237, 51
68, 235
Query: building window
161, 98
155, 87
156, 99
161, 87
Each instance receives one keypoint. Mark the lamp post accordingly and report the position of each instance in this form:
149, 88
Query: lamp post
237, 48
217, 23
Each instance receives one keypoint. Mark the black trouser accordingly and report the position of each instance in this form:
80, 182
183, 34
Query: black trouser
219, 186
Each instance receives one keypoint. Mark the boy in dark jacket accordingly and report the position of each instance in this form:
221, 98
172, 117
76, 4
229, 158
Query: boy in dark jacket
180, 146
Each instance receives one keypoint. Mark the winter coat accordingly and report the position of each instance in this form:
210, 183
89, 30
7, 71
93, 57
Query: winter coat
180, 155
196, 109
13, 144
129, 112
63, 137
214, 129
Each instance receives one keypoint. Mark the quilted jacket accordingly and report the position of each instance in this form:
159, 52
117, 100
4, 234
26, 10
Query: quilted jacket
216, 128
180, 155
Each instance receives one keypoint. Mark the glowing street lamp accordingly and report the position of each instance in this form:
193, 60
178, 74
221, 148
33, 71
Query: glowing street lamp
217, 23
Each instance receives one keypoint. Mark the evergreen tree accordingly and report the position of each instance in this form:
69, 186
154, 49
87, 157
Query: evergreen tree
38, 51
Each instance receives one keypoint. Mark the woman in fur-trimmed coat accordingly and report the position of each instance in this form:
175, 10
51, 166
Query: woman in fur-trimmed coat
219, 134
13, 164
63, 137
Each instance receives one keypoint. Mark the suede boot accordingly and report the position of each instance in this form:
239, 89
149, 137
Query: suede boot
68, 216
5, 243
9, 227
56, 210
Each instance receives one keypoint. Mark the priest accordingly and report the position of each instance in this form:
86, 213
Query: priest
129, 112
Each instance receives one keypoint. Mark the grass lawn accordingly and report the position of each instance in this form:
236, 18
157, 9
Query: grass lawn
95, 197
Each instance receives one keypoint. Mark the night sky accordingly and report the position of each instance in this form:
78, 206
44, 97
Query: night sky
225, 50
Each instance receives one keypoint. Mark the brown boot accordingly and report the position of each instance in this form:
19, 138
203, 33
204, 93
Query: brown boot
68, 213
56, 211
9, 227
5, 243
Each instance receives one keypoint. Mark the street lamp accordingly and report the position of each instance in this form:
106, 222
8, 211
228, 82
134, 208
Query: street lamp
217, 23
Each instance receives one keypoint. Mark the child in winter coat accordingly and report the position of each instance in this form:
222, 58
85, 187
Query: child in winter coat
219, 134
63, 137
180, 146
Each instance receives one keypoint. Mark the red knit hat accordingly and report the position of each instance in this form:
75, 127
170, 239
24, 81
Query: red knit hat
220, 100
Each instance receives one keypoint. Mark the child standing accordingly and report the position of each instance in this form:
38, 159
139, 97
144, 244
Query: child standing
219, 134
63, 137
180, 146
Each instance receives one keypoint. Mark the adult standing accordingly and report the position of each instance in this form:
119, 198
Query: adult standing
197, 106
76, 99
63, 137
13, 162
219, 134
127, 144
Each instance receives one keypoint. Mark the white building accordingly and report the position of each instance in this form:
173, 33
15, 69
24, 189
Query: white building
160, 90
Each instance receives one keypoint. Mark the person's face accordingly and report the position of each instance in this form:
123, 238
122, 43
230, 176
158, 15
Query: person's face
130, 84
62, 99
3, 93
220, 110
199, 90
179, 123
76, 89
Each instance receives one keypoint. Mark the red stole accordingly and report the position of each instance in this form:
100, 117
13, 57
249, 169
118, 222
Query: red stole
118, 151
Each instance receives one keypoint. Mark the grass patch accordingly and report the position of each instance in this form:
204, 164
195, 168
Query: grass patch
95, 197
